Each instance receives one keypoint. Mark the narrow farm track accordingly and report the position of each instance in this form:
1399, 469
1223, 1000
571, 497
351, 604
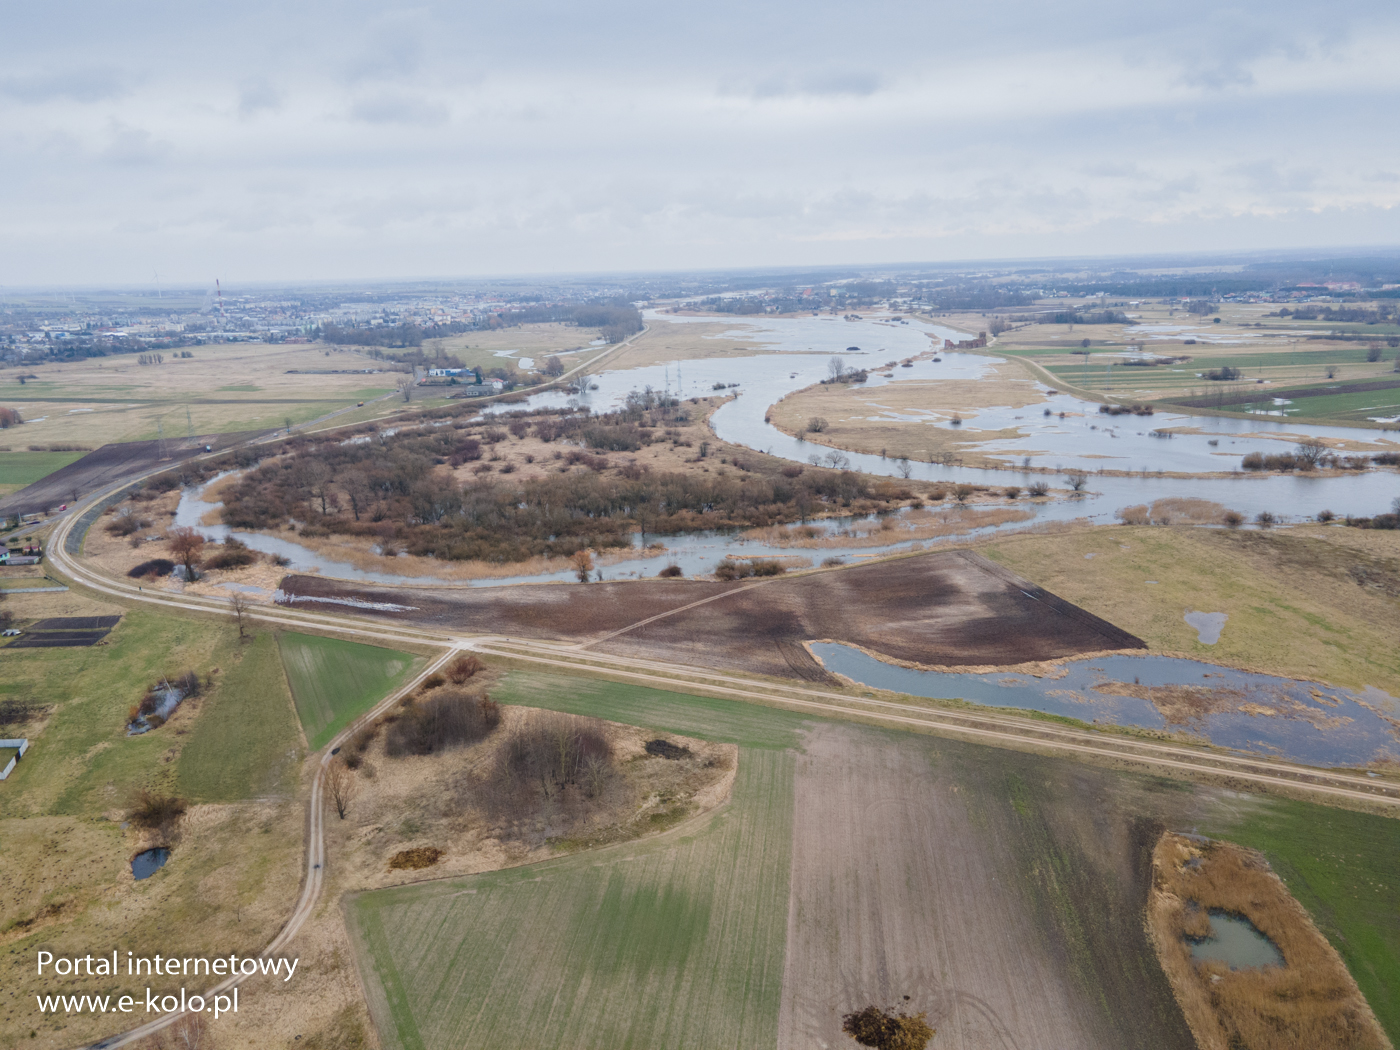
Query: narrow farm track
982, 727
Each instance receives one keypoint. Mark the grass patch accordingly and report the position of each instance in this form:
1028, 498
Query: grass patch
83, 763
675, 942
1340, 866
18, 469
1294, 605
241, 746
723, 721
335, 681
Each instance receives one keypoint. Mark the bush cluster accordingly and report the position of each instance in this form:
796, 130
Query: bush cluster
449, 718
730, 569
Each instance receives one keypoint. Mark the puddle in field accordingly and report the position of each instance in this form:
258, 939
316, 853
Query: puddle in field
1236, 942
1208, 625
146, 864
1300, 721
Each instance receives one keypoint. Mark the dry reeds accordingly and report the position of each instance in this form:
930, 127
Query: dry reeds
1311, 1001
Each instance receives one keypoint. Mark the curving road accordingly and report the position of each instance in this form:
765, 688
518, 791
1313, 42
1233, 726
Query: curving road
986, 727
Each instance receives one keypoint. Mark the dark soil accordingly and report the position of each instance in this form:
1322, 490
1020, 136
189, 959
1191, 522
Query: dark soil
108, 465
950, 608
666, 749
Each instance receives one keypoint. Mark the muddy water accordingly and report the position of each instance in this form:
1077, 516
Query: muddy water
1237, 943
1084, 439
1300, 721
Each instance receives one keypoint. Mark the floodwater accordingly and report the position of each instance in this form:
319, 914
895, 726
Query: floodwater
1299, 721
1083, 440
1236, 942
146, 864
1208, 625
805, 347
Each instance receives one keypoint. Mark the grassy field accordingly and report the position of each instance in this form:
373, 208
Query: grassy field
244, 743
1024, 869
65, 882
18, 469
83, 762
334, 681
221, 389
675, 942
1341, 866
1294, 606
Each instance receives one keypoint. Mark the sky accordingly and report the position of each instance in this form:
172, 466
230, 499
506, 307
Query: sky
151, 143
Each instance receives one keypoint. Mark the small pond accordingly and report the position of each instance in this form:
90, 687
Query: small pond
1236, 942
1300, 721
147, 863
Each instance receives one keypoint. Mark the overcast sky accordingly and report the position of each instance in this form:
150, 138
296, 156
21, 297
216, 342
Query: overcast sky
258, 141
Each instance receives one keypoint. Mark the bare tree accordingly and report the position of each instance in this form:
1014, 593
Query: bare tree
187, 545
1309, 452
406, 387
356, 487
341, 786
905, 468
583, 565
837, 367
1077, 480
238, 605
816, 424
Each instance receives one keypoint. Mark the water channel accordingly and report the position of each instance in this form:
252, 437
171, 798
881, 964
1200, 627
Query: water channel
802, 349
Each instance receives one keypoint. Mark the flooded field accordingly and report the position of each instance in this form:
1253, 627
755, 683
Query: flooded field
1300, 721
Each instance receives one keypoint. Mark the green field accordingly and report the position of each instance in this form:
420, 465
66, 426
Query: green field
18, 469
245, 743
674, 942
680, 940
1342, 867
230, 744
334, 681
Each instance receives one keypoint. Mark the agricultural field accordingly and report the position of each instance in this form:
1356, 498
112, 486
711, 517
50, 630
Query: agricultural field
503, 347
65, 879
1001, 892
222, 388
18, 469
335, 681
1314, 602
1272, 354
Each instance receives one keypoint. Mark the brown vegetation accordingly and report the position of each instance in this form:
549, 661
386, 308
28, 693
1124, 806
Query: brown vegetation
450, 717
415, 859
888, 1029
154, 811
341, 786
1311, 1001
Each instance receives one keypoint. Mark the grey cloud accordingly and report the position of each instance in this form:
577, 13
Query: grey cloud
827, 83
134, 146
79, 85
258, 95
398, 108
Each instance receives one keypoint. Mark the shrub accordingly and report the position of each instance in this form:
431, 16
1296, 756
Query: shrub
432, 682
413, 859
671, 571
231, 554
552, 751
1233, 519
150, 809
126, 524
154, 567
1325, 516
1038, 488
1265, 519
730, 569
1012, 491
793, 470
832, 562
1135, 515
962, 492
816, 424
449, 719
464, 667
884, 1030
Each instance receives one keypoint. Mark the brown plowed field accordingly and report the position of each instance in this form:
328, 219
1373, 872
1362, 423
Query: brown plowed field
925, 870
951, 608
108, 465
